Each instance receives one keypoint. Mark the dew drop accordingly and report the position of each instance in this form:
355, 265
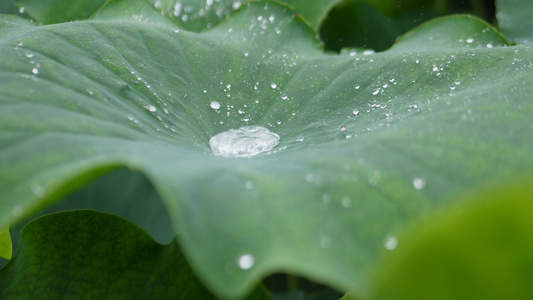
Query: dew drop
17, 211
326, 198
150, 108
470, 40
357, 87
391, 242
273, 85
419, 183
215, 105
376, 91
343, 128
246, 261
325, 241
35, 71
249, 185
243, 142
37, 190
355, 112
346, 202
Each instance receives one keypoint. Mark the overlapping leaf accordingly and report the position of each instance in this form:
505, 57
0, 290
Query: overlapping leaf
91, 255
514, 18
419, 124
482, 252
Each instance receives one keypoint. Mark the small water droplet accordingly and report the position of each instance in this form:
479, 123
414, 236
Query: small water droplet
419, 183
343, 128
21, 10
326, 198
215, 105
35, 71
346, 202
249, 185
17, 211
246, 261
355, 112
37, 190
470, 40
325, 241
150, 108
376, 91
391, 242
357, 87
273, 85
243, 142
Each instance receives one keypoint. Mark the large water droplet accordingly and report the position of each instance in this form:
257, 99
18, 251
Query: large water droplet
243, 142
246, 261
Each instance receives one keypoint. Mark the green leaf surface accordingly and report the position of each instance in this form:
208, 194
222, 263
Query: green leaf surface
481, 251
6, 249
59, 11
514, 18
420, 124
90, 255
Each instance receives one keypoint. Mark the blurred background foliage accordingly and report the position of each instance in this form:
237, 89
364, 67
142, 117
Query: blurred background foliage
372, 24
375, 24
